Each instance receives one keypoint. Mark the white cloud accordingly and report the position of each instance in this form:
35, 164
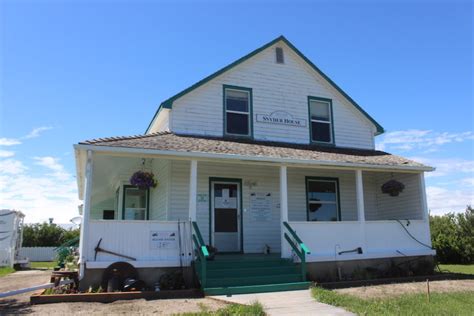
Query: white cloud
12, 167
453, 199
9, 141
52, 164
426, 140
36, 132
6, 153
447, 166
38, 196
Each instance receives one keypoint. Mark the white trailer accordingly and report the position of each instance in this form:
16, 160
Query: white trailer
11, 238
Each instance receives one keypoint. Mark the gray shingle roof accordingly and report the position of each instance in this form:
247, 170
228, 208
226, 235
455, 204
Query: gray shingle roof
165, 141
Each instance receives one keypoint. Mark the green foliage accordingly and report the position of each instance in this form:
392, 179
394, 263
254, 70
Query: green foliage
456, 303
47, 235
6, 270
256, 309
452, 236
457, 268
43, 265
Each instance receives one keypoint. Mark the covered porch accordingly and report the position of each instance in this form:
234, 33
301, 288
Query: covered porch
239, 206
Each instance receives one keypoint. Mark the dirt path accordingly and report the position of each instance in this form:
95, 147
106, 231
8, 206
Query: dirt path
19, 304
389, 290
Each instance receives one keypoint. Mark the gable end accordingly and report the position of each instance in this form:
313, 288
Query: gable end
168, 104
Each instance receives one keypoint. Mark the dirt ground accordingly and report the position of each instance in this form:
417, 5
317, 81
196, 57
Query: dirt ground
390, 290
19, 304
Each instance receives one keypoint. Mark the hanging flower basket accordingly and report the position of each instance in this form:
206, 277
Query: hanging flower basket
392, 187
143, 180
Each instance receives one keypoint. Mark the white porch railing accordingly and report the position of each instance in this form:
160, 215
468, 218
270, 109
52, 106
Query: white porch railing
378, 239
151, 243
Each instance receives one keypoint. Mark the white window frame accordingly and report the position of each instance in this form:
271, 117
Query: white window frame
248, 113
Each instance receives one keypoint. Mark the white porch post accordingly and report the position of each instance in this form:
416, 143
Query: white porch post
360, 196
193, 191
424, 202
285, 250
86, 212
361, 208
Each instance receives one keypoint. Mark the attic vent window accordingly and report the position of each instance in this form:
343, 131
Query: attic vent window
279, 55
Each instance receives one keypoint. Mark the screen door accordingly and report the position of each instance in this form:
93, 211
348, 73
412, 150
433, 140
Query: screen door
226, 216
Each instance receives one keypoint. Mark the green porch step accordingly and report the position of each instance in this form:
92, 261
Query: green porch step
256, 280
252, 271
244, 264
257, 288
238, 274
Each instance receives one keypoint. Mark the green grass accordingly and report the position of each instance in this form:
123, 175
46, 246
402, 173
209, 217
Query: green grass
6, 270
457, 268
456, 303
255, 309
43, 264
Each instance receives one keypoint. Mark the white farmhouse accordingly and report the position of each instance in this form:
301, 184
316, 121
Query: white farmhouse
268, 161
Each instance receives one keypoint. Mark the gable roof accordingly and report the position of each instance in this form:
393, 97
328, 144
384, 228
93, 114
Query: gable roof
168, 104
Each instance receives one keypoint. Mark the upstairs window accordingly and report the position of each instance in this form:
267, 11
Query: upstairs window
323, 199
279, 55
237, 111
321, 122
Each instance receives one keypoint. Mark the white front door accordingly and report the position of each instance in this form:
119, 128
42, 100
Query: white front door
225, 215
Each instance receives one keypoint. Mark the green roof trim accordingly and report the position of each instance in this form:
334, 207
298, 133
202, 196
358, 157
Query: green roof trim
168, 104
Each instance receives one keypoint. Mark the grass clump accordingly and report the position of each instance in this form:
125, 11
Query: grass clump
456, 303
43, 264
6, 270
457, 268
256, 309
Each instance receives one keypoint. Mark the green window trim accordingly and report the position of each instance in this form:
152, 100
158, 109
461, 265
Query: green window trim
224, 110
147, 212
338, 197
332, 143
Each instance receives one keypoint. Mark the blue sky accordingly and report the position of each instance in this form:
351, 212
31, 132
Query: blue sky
77, 70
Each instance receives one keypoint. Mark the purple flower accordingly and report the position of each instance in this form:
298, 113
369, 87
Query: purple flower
143, 180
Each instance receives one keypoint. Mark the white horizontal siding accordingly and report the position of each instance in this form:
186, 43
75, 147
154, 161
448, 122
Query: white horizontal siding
159, 195
161, 122
380, 206
276, 87
256, 234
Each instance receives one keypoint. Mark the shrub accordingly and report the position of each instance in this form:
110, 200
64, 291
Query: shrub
452, 236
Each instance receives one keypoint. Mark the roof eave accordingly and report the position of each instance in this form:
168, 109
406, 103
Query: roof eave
204, 155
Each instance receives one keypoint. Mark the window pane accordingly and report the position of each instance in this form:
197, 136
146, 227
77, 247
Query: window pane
237, 123
323, 212
319, 110
322, 191
321, 132
135, 198
230, 190
237, 100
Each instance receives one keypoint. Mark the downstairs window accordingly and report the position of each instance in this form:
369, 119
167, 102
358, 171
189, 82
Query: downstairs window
322, 195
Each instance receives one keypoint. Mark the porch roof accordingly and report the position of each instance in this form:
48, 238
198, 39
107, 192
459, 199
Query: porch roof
263, 150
